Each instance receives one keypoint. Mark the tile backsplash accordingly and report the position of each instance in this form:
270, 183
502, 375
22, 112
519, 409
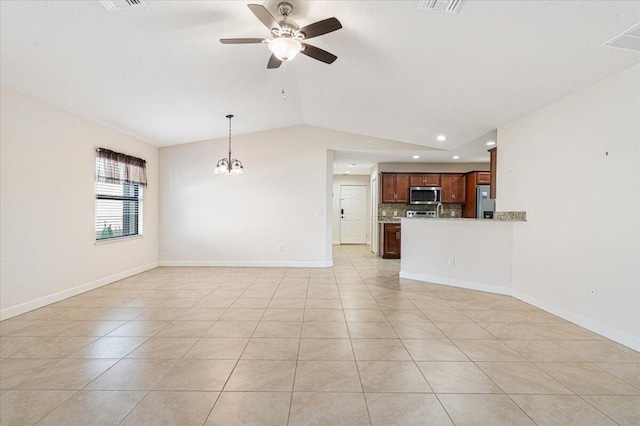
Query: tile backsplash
450, 210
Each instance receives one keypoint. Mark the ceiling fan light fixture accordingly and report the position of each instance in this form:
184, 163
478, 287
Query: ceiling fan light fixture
285, 48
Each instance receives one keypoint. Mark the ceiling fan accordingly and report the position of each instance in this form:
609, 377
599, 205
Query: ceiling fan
288, 37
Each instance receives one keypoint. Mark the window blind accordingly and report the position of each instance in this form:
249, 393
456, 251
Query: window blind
119, 194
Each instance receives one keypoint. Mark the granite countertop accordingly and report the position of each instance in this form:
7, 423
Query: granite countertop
498, 217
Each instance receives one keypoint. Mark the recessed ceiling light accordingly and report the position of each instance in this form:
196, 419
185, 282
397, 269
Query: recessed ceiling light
455, 157
352, 165
415, 157
441, 138
491, 143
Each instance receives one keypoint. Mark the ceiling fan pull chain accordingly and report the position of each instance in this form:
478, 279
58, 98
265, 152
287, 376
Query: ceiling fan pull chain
284, 82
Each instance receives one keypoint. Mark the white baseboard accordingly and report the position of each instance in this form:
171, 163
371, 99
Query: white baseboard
471, 285
247, 263
336, 243
591, 325
12, 311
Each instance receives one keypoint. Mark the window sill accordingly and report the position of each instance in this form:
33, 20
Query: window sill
115, 240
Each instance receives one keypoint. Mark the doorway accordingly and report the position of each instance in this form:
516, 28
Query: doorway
353, 214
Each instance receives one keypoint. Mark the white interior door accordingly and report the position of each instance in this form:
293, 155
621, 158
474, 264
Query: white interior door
353, 214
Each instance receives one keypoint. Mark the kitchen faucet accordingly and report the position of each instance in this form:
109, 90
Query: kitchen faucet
439, 209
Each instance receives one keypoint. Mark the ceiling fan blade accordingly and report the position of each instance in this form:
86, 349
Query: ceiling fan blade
274, 62
241, 40
264, 16
317, 53
321, 27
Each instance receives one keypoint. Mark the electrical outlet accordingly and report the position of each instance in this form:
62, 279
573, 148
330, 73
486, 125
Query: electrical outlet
319, 213
453, 213
384, 212
281, 248
593, 292
452, 261
395, 213
164, 248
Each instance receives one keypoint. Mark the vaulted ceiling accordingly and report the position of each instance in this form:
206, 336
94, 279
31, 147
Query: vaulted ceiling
159, 72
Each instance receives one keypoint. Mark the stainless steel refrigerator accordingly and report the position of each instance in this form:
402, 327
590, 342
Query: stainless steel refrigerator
485, 206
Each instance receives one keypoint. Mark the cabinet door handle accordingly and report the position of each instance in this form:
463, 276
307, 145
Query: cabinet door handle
397, 236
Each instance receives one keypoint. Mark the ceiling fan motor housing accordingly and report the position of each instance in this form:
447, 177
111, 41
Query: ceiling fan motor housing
285, 8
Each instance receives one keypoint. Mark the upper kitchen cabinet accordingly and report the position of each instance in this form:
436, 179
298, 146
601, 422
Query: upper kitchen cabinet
395, 188
453, 188
483, 178
425, 179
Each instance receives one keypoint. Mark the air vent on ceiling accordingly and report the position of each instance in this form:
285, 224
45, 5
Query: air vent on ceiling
628, 40
448, 6
120, 4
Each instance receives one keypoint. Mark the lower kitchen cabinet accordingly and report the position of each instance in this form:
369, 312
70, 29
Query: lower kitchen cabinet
391, 241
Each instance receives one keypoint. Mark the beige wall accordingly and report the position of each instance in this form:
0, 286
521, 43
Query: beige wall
481, 252
582, 205
48, 206
285, 198
338, 181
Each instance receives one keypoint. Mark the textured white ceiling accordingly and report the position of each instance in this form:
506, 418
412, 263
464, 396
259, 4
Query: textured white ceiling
159, 72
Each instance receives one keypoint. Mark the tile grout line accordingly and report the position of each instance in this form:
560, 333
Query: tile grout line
295, 370
241, 353
170, 368
364, 396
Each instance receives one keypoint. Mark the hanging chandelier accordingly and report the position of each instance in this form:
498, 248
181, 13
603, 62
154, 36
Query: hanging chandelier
229, 166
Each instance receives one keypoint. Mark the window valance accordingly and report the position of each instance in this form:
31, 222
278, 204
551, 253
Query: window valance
115, 167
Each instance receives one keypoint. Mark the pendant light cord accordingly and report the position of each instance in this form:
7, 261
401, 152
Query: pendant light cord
229, 117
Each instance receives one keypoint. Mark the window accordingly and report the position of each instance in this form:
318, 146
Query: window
120, 180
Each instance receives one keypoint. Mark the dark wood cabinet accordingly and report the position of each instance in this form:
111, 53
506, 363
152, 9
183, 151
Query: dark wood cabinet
493, 171
402, 188
388, 188
483, 178
453, 188
391, 243
395, 188
425, 179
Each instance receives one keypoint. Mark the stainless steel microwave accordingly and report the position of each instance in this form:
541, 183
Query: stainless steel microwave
425, 195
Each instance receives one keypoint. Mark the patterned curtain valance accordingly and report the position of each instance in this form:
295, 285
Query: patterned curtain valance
115, 167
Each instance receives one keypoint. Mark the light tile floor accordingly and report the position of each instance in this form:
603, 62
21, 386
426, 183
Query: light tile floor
346, 345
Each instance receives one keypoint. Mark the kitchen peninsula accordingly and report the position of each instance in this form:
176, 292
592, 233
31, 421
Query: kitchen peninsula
467, 253
453, 193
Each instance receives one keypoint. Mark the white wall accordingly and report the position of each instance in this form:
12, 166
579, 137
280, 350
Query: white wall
338, 181
48, 206
241, 220
582, 205
481, 252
